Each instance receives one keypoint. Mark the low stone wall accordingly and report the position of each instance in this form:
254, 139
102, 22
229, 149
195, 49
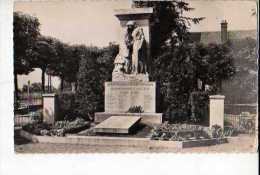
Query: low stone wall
121, 141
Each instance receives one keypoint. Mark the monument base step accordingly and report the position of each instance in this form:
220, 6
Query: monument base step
117, 125
146, 118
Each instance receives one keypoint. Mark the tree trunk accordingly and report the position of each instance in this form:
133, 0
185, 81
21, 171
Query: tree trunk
16, 87
50, 84
220, 86
43, 80
76, 85
61, 84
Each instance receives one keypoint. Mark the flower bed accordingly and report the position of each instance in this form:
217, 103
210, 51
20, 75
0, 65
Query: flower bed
60, 128
182, 132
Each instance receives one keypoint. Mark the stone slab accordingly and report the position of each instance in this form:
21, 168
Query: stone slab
117, 124
146, 118
120, 96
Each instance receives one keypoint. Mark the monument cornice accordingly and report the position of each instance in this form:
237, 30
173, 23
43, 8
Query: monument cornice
138, 13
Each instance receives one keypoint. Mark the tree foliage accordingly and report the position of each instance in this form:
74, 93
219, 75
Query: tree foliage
178, 70
169, 22
45, 55
245, 81
26, 32
95, 69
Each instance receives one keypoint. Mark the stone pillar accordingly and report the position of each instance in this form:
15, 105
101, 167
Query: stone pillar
50, 108
216, 110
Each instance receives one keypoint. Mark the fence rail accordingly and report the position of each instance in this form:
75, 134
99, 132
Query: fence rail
21, 120
243, 122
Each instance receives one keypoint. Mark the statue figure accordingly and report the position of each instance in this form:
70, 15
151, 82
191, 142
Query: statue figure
131, 58
121, 63
138, 56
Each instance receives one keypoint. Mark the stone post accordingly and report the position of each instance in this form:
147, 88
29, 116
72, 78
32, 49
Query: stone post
50, 108
216, 110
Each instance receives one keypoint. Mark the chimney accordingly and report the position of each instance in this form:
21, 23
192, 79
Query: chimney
224, 31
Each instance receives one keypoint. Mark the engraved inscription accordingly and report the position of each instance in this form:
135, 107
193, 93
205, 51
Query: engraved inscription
120, 96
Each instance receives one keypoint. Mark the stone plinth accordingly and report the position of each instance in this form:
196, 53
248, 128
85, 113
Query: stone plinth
120, 96
119, 76
50, 108
117, 124
216, 110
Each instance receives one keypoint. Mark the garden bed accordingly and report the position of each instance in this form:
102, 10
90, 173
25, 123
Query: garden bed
60, 128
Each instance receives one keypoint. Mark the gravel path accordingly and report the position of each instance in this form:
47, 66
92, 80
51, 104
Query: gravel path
243, 143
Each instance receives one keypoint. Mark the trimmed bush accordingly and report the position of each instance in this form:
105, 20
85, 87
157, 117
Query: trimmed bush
199, 103
67, 106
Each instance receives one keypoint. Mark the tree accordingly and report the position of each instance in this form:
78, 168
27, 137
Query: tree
219, 65
89, 92
175, 82
44, 55
95, 68
26, 32
177, 62
169, 23
178, 70
213, 63
244, 82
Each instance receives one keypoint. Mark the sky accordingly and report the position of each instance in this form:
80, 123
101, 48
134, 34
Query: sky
92, 22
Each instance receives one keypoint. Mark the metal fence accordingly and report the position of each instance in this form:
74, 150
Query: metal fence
31, 99
244, 122
21, 120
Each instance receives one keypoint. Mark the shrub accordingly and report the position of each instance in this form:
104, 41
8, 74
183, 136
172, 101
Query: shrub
95, 69
199, 102
177, 115
182, 132
67, 106
60, 128
36, 128
179, 132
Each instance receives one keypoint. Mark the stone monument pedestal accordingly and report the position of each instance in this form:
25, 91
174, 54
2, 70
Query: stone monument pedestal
130, 86
121, 95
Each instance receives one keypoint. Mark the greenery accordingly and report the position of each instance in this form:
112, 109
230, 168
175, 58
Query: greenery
67, 106
244, 52
170, 24
182, 132
60, 128
211, 64
135, 109
199, 102
26, 31
95, 69
172, 46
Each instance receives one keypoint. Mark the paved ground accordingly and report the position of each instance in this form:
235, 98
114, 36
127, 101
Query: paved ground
243, 143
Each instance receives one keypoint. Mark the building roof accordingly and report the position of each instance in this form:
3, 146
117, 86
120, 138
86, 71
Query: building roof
215, 36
